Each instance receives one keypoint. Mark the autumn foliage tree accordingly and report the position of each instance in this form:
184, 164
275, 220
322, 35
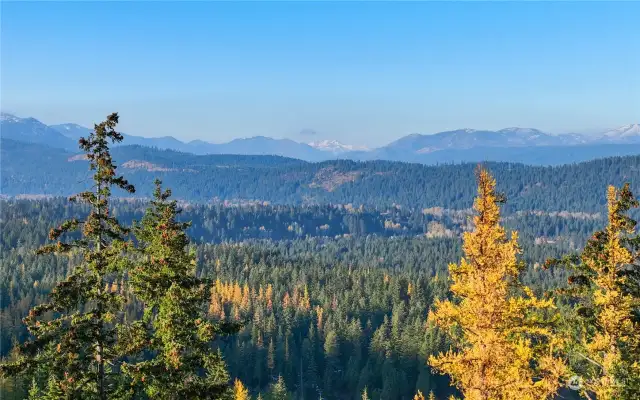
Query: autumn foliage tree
502, 335
605, 286
240, 392
73, 334
174, 330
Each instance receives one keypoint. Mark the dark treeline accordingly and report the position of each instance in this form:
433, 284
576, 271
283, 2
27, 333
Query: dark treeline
573, 187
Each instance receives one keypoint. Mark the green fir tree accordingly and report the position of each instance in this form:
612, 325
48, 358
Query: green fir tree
73, 334
174, 329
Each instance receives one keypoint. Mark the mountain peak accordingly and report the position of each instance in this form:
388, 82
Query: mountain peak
70, 126
335, 146
6, 117
521, 131
453, 132
624, 131
32, 131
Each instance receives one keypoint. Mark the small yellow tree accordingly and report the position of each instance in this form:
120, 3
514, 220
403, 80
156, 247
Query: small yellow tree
239, 391
502, 334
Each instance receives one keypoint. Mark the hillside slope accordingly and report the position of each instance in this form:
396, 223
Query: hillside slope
36, 169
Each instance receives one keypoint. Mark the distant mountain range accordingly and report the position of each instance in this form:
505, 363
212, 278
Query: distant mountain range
526, 145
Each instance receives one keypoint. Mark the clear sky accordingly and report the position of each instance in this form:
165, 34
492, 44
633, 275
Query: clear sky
362, 73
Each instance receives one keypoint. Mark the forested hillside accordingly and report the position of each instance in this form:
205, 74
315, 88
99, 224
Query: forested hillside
573, 187
349, 312
338, 293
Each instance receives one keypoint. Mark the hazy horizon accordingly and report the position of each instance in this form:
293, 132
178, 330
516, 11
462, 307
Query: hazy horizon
360, 73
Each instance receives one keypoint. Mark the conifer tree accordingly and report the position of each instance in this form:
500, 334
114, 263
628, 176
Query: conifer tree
278, 390
239, 391
183, 364
55, 391
501, 335
605, 286
73, 334
34, 390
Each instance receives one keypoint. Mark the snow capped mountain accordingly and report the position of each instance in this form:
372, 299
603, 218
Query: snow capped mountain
73, 131
334, 146
460, 144
9, 118
69, 127
32, 131
626, 131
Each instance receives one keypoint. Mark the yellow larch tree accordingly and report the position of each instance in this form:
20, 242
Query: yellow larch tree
237, 294
240, 392
245, 303
502, 335
608, 309
305, 302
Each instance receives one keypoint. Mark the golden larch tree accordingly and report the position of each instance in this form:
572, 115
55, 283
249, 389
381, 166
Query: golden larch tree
240, 392
502, 335
606, 283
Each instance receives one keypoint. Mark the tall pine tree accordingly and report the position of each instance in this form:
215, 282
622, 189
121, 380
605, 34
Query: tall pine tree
501, 334
174, 330
73, 334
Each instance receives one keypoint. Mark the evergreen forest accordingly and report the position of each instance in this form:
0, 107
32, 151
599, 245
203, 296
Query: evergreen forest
317, 281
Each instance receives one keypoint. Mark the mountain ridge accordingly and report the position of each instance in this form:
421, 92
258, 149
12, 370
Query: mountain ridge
206, 178
416, 147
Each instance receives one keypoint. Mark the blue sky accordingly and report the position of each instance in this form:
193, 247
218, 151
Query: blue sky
364, 73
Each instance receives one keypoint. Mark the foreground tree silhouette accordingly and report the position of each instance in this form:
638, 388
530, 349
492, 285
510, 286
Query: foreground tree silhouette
73, 335
605, 286
502, 334
173, 330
